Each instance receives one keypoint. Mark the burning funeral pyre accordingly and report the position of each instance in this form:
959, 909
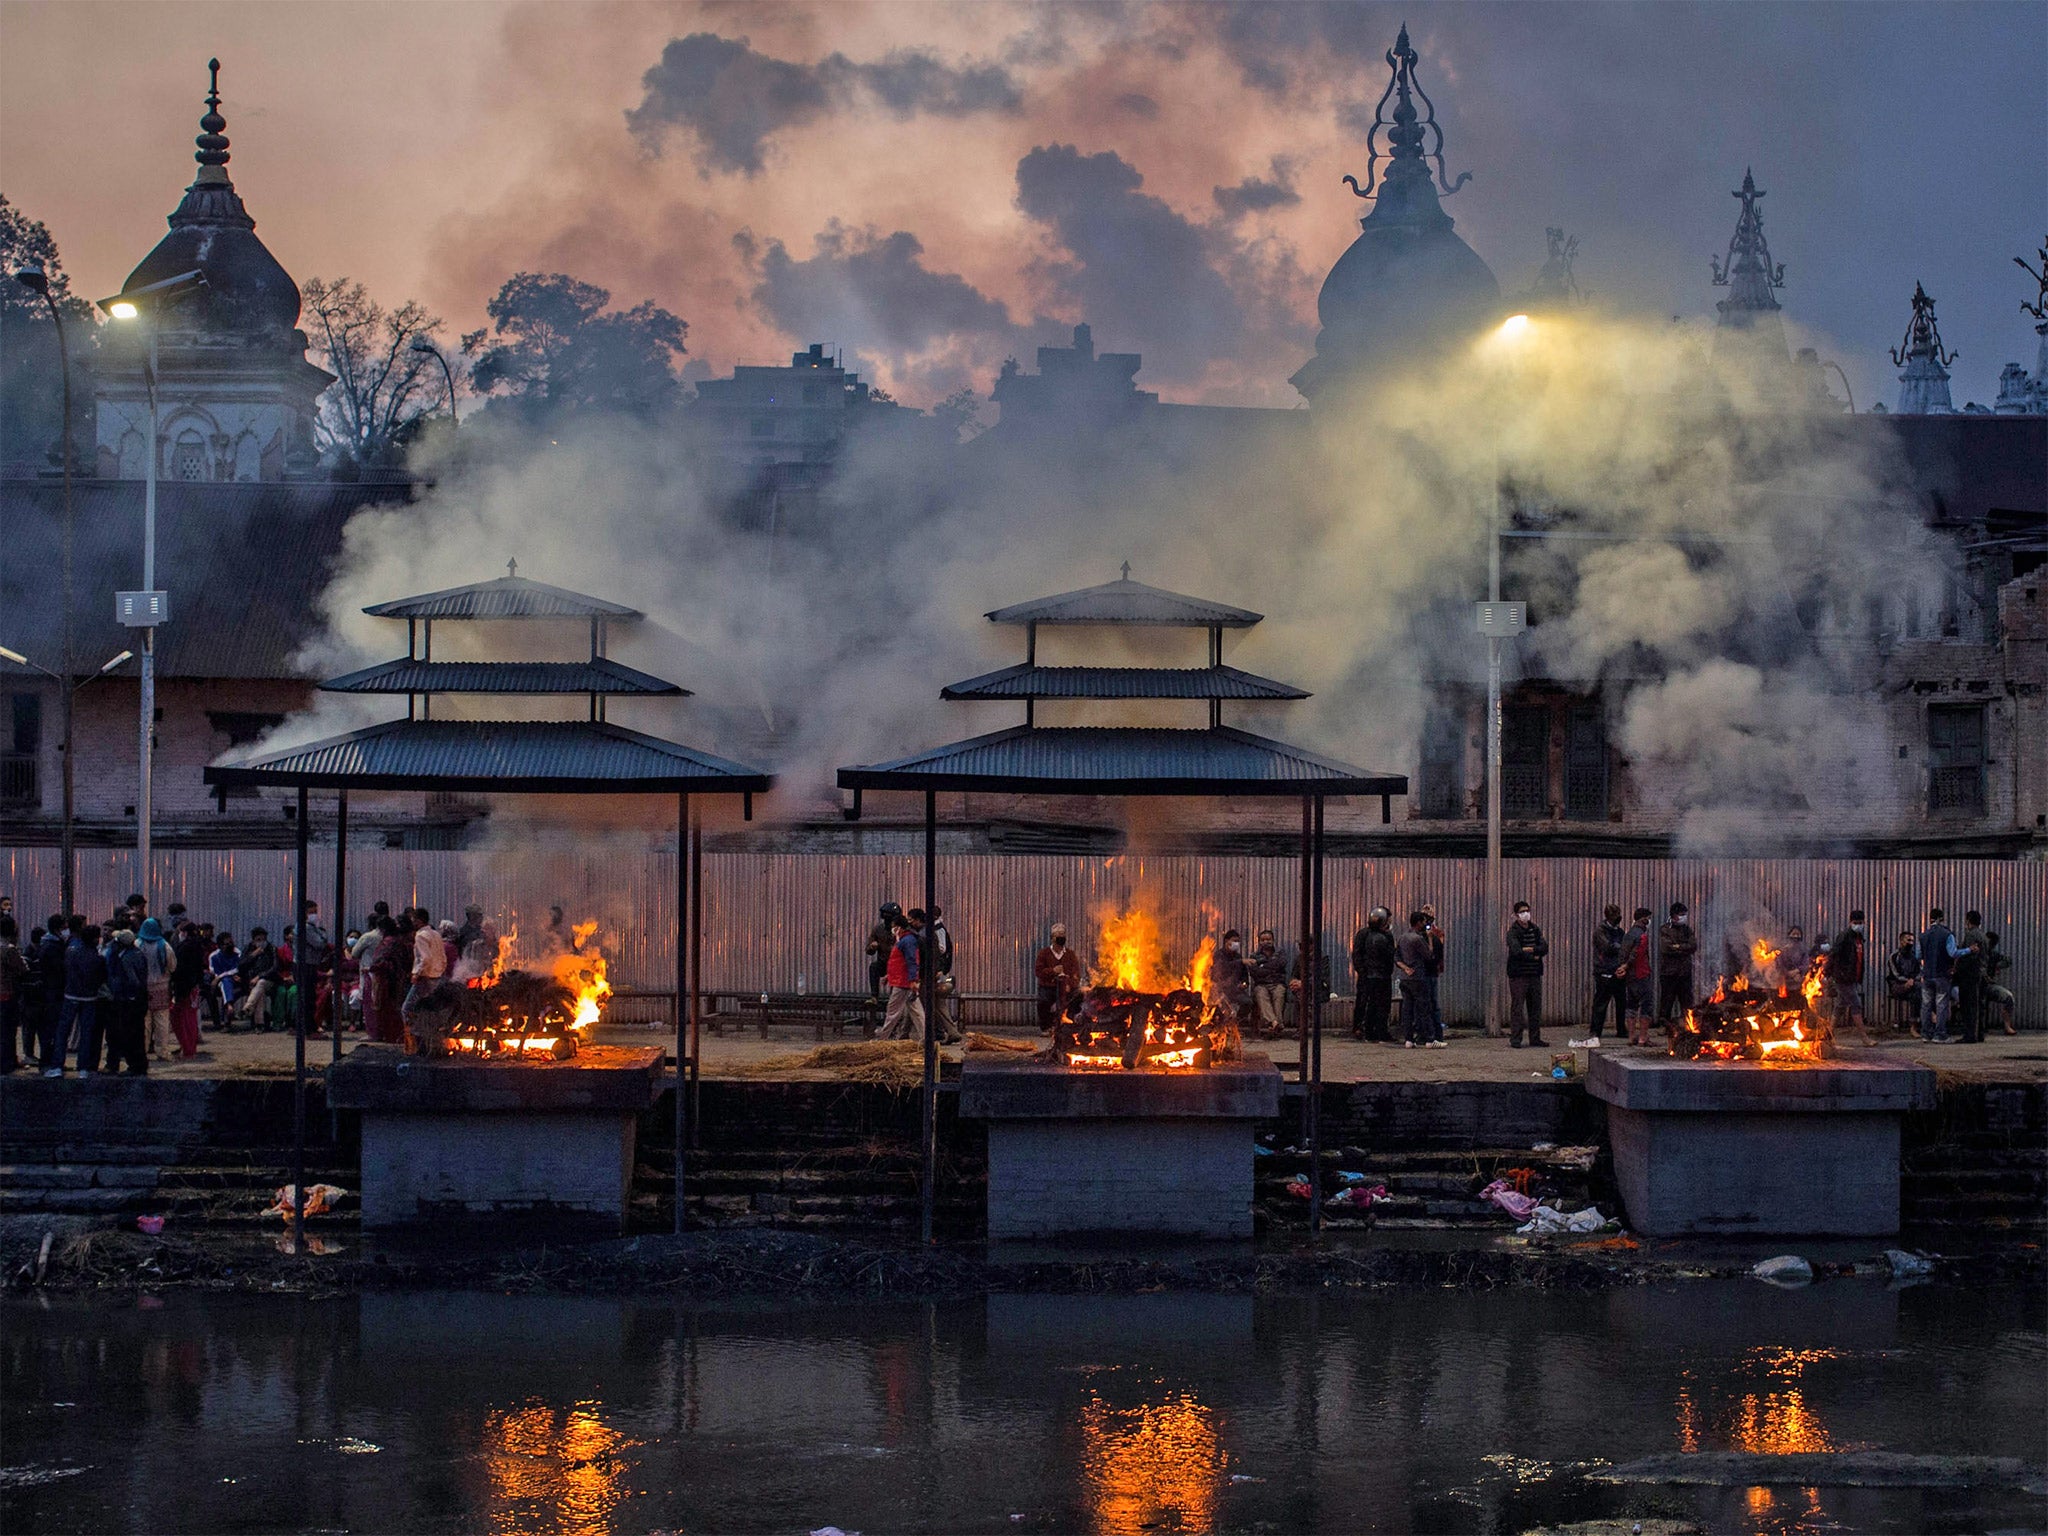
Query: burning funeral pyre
515, 1005
1747, 1018
1140, 1012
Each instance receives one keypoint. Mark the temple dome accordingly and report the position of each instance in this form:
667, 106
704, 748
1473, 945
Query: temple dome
1408, 284
248, 292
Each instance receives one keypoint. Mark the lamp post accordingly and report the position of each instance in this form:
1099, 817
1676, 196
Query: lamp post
143, 610
421, 344
37, 281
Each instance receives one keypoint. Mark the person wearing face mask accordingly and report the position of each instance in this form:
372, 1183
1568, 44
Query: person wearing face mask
1526, 949
1842, 973
1231, 977
1269, 985
1058, 972
1372, 962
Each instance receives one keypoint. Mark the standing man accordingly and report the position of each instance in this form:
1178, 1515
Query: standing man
1938, 949
1411, 963
1372, 962
1642, 991
1434, 975
905, 1018
1843, 973
13, 982
84, 973
50, 961
1057, 971
429, 961
157, 965
188, 975
1610, 972
880, 938
1793, 959
1676, 946
1269, 985
1526, 949
1970, 977
943, 991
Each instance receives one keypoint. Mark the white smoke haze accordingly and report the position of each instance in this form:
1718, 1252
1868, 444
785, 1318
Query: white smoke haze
1716, 523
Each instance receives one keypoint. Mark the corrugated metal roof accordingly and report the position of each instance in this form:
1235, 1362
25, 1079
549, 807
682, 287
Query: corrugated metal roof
245, 565
1127, 602
1032, 682
1113, 760
509, 597
409, 675
510, 756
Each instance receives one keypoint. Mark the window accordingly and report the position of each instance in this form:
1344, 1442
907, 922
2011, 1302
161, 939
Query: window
188, 458
20, 749
1443, 765
1525, 761
1955, 759
1585, 763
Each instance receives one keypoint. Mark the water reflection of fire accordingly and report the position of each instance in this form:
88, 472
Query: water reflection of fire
1152, 1465
560, 1467
1745, 1019
1142, 1011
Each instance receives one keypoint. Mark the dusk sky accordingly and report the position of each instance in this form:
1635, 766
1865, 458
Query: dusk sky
935, 187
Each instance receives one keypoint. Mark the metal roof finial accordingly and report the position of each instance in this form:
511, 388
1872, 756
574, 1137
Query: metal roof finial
1406, 138
511, 569
1127, 570
2040, 304
213, 144
1923, 334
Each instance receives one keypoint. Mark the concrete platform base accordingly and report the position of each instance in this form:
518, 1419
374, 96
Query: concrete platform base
1727, 1147
1113, 1153
447, 1139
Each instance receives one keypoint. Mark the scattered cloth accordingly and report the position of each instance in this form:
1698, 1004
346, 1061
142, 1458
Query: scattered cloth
320, 1199
1503, 1194
1547, 1220
1357, 1197
1908, 1265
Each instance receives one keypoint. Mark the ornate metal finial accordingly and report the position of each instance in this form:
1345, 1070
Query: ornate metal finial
511, 569
1127, 570
213, 144
1556, 282
1923, 334
2039, 308
1406, 139
1748, 252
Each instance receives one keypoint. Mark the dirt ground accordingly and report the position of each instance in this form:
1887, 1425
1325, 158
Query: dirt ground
1469, 1057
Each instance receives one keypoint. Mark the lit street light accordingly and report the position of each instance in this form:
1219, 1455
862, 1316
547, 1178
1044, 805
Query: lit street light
142, 610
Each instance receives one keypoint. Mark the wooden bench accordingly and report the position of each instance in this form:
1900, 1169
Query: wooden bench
819, 1011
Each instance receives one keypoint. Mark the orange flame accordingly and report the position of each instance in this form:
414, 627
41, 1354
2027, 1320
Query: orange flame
1130, 953
581, 970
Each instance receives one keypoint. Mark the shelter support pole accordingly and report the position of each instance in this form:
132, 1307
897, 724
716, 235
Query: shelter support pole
1315, 983
696, 975
302, 975
338, 919
927, 982
1307, 867
683, 926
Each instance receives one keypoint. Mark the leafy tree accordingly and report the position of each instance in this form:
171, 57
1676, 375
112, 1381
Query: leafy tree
31, 399
959, 414
552, 348
382, 388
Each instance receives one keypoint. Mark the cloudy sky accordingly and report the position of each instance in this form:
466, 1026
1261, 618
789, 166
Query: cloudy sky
934, 187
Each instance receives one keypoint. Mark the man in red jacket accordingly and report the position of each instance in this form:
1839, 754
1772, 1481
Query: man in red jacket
905, 1017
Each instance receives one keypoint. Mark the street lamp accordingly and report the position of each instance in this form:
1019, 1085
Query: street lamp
421, 344
1498, 621
37, 281
145, 609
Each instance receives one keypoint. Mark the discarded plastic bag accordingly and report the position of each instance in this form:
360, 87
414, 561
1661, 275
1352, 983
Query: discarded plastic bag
149, 1226
1908, 1266
1509, 1199
1787, 1269
1547, 1219
1357, 1197
320, 1199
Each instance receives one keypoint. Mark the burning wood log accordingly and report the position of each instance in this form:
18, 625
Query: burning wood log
1118, 1027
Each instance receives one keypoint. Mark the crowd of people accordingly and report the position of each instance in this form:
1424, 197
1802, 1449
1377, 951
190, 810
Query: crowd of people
116, 995
896, 958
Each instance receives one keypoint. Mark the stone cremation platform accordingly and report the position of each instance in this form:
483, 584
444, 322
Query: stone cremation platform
452, 1138
1101, 1153
1807, 1150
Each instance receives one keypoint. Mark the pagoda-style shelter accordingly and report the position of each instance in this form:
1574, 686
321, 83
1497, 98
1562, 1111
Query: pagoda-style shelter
590, 756
1212, 760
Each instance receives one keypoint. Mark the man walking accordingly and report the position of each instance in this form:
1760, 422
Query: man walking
1269, 985
880, 938
1676, 946
1526, 949
1938, 952
1843, 974
1411, 963
905, 1017
1372, 963
1610, 972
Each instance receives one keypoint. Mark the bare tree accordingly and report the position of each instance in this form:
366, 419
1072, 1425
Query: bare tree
383, 389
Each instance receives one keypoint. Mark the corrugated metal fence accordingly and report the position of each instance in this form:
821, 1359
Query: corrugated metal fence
774, 921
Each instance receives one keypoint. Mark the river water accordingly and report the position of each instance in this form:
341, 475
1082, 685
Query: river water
1433, 1411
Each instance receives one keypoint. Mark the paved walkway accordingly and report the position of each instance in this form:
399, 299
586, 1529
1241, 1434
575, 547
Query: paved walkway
1469, 1057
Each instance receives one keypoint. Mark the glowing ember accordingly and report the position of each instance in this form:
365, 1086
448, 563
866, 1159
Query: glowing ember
518, 1005
1741, 1022
1142, 1012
